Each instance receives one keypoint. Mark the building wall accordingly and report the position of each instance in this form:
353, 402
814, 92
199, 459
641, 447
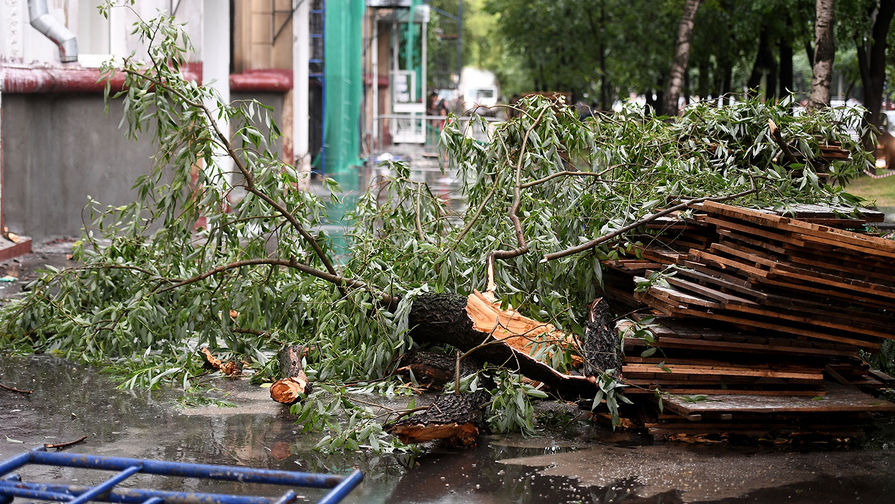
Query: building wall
255, 26
58, 146
57, 150
54, 162
274, 100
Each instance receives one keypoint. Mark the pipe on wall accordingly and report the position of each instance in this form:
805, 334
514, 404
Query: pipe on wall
54, 30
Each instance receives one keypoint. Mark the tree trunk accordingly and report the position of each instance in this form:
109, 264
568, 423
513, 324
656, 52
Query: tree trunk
455, 418
872, 61
764, 66
770, 81
445, 319
681, 55
824, 52
786, 70
705, 81
601, 346
727, 78
604, 84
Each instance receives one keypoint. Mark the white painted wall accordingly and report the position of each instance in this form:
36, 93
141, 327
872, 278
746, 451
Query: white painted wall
98, 38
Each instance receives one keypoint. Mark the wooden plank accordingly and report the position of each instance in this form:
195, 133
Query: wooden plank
864, 248
726, 263
649, 368
754, 231
806, 229
708, 292
675, 296
743, 238
784, 272
743, 254
710, 391
671, 342
870, 345
839, 399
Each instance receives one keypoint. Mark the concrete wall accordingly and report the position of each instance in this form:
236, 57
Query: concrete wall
274, 100
58, 149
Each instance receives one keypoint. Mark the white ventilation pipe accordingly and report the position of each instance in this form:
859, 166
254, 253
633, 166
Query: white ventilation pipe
54, 30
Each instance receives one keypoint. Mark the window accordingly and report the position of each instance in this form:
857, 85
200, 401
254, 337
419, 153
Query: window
99, 38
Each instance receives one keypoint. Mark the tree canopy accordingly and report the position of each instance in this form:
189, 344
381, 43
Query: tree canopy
605, 50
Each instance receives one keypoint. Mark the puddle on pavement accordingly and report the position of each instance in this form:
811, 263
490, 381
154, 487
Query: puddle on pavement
70, 401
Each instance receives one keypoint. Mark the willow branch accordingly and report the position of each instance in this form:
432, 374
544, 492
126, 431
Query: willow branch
567, 173
338, 280
517, 200
649, 218
419, 226
224, 141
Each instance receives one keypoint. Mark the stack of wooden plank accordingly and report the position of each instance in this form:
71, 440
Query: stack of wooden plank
759, 305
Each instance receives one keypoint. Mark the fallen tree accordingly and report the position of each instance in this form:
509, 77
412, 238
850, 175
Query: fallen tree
221, 249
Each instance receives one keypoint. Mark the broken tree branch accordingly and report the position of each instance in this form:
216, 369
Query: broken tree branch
446, 319
649, 218
17, 391
59, 446
784, 147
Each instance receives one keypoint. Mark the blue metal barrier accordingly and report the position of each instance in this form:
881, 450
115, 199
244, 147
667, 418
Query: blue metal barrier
12, 486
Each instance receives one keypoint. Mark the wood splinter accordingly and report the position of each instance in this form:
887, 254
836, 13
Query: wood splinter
229, 368
289, 390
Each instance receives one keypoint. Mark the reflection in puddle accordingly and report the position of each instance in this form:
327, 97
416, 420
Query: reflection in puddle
69, 401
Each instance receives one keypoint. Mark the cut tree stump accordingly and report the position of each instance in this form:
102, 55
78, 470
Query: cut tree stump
455, 418
289, 389
466, 324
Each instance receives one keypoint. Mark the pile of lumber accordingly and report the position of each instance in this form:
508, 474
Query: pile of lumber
750, 304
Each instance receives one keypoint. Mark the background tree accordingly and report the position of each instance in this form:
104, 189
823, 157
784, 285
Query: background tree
681, 57
824, 53
871, 42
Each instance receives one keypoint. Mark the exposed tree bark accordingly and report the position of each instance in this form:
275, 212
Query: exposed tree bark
824, 52
432, 369
601, 344
872, 61
455, 418
681, 56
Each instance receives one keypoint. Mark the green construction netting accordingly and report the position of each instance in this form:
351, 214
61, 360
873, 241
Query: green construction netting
344, 85
412, 58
